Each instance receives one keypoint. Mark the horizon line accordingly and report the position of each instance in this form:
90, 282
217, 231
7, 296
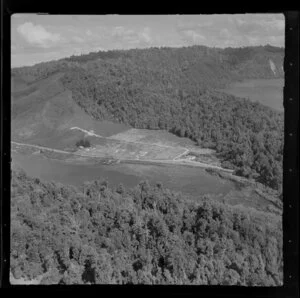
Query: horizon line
148, 48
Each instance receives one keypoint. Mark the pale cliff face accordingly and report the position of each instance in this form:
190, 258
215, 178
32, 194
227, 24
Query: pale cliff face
273, 67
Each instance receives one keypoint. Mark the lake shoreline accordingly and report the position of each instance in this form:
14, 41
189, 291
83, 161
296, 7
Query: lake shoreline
197, 180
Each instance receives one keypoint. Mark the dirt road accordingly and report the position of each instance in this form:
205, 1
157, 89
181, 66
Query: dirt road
160, 161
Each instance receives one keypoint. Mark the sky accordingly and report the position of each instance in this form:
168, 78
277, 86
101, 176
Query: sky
39, 38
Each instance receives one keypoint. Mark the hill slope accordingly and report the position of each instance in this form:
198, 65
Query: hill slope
166, 88
43, 112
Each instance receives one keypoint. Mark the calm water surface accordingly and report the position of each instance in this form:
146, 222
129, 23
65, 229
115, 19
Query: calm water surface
267, 92
193, 181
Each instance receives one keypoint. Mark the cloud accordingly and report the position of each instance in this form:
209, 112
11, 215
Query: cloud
37, 35
279, 24
224, 33
261, 25
50, 37
252, 40
17, 15
77, 39
233, 30
127, 36
145, 35
27, 59
183, 25
193, 36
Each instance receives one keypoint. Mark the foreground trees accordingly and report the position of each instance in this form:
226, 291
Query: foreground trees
145, 235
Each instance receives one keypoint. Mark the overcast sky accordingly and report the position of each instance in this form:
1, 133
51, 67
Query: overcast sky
38, 38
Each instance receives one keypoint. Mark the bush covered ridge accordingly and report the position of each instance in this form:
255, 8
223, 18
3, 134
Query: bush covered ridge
145, 235
236, 63
174, 89
248, 136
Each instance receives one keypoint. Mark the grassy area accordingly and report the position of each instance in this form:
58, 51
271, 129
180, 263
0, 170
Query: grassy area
103, 147
159, 137
43, 113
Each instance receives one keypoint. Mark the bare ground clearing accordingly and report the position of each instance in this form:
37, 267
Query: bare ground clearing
96, 154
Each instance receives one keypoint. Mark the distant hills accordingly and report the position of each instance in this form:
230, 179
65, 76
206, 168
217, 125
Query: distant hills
158, 88
207, 66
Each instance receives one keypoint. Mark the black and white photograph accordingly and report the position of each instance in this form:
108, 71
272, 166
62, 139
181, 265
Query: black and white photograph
147, 149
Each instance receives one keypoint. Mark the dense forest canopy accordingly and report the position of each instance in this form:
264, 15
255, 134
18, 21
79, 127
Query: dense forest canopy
249, 61
146, 235
175, 89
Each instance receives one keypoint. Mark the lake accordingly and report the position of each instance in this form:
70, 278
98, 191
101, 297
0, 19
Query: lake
188, 180
268, 92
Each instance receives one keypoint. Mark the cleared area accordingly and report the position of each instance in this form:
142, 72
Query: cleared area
141, 144
159, 137
106, 147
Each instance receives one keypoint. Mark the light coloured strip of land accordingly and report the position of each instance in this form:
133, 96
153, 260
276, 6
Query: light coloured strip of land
159, 161
50, 149
181, 154
91, 133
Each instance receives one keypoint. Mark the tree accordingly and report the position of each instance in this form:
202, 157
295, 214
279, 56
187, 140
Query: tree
83, 143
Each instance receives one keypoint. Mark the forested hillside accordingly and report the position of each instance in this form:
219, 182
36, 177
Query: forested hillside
146, 235
236, 63
175, 89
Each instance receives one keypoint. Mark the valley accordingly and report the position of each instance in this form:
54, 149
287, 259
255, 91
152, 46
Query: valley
50, 128
148, 166
155, 149
134, 155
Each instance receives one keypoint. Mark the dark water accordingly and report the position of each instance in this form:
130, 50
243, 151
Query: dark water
193, 181
267, 92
